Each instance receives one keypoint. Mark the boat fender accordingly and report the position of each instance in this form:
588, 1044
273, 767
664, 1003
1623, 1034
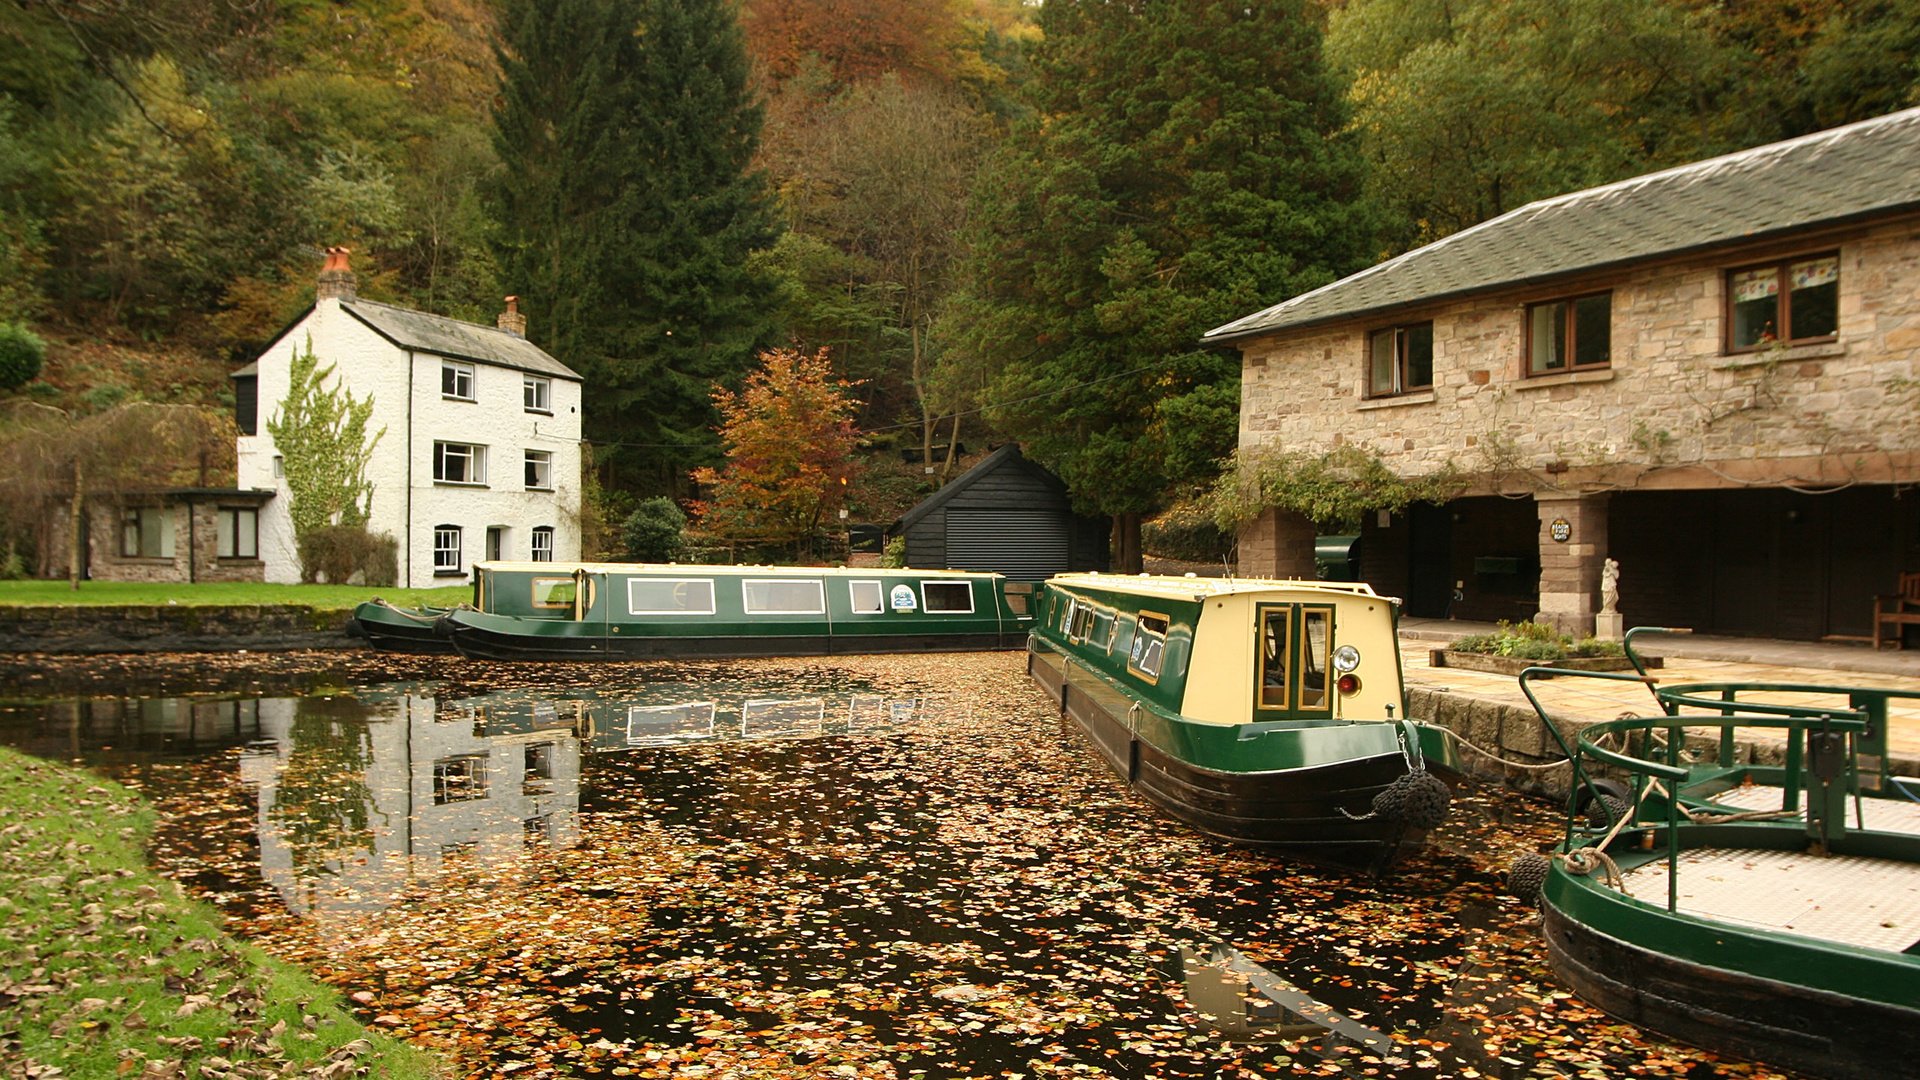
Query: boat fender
1418, 799
1527, 876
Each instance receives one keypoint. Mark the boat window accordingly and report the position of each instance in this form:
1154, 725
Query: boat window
1316, 626
1275, 627
1103, 627
1019, 596
948, 597
1149, 644
770, 597
865, 597
669, 596
553, 592
1079, 620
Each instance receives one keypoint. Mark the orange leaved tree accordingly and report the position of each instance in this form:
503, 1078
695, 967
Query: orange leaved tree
789, 440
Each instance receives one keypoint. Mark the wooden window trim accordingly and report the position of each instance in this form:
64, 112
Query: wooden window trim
1401, 387
1783, 309
1570, 344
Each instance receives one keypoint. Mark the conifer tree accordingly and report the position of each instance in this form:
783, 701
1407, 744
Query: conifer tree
626, 211
1180, 168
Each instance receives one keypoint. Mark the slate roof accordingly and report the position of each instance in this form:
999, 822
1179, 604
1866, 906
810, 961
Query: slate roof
437, 334
1830, 177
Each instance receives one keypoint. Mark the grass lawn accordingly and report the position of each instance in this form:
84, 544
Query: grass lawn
108, 970
217, 593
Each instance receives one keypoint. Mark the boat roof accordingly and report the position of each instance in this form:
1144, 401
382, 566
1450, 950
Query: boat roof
1192, 587
728, 570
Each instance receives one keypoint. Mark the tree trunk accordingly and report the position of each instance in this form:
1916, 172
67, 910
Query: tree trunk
1126, 543
76, 525
953, 448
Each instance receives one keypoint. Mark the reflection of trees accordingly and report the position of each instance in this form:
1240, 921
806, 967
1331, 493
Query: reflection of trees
322, 804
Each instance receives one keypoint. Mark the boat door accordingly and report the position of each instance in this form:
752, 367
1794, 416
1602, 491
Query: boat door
586, 595
1295, 646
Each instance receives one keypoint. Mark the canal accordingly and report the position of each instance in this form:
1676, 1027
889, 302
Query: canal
858, 867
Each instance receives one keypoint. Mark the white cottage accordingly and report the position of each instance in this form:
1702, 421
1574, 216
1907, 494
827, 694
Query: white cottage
481, 453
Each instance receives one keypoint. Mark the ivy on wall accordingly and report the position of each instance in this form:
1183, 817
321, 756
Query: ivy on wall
1335, 489
321, 433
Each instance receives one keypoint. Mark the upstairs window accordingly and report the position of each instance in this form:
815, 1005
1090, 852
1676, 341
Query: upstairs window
239, 530
1788, 303
146, 532
459, 463
1567, 335
1400, 360
456, 381
542, 543
539, 470
538, 392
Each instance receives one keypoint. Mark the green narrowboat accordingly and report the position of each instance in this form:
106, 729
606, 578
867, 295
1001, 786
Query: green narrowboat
392, 628
1268, 713
634, 611
1786, 937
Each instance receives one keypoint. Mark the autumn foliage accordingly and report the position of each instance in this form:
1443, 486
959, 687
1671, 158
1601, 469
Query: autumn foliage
789, 439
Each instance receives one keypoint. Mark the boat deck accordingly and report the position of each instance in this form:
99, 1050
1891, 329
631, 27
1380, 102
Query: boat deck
1869, 903
1886, 815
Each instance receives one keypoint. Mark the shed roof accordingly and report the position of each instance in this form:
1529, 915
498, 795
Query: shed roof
1862, 170
454, 338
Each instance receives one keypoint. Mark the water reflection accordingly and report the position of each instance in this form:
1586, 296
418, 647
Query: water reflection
1246, 1002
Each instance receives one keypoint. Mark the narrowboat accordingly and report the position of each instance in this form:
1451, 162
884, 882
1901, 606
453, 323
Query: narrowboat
1791, 939
635, 611
392, 628
1268, 713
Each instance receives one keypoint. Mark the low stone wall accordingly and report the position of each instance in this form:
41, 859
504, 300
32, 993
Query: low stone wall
174, 628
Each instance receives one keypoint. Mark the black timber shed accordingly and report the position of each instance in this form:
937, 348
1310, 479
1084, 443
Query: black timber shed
1006, 515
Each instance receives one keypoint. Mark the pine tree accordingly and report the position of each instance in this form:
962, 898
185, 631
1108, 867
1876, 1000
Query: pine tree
627, 209
1180, 169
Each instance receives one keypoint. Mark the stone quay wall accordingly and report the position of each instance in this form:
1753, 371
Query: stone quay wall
181, 628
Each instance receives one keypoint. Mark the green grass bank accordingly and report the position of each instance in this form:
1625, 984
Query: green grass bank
107, 970
216, 594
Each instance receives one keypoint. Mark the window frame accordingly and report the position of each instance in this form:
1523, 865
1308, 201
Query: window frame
475, 455
712, 593
543, 593
133, 533
1401, 387
228, 533
1569, 339
926, 597
1293, 618
1783, 304
545, 460
536, 551
445, 567
879, 597
536, 393
457, 372
746, 596
1144, 659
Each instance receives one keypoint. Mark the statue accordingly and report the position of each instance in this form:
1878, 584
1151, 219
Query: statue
1609, 587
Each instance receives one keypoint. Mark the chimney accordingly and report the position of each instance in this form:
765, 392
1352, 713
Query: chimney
336, 277
511, 320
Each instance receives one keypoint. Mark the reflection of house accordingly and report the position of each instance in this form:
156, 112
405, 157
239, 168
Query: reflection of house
1006, 515
1707, 374
480, 456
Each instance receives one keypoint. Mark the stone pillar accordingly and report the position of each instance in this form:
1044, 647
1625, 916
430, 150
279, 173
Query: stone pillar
1279, 544
1573, 545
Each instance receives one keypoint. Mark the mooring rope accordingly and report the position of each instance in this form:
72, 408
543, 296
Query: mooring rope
404, 613
1484, 752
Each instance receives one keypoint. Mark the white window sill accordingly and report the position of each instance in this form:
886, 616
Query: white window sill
1565, 378
1423, 397
1765, 357
549, 487
541, 412
456, 397
460, 483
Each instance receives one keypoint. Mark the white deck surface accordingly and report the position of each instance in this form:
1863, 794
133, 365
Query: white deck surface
1871, 903
1887, 815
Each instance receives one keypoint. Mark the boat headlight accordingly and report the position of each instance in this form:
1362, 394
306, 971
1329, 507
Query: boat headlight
1345, 659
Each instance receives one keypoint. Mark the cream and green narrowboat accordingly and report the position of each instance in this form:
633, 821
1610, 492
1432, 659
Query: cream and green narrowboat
1269, 713
635, 611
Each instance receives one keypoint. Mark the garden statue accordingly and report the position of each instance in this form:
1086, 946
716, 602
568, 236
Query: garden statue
1609, 587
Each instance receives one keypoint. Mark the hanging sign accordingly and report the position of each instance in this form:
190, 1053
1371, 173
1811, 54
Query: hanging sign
1561, 530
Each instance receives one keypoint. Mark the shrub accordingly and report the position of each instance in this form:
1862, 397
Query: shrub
895, 555
1533, 641
1187, 531
349, 555
652, 533
21, 355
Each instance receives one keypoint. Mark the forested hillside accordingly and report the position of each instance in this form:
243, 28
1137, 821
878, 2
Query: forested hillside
999, 217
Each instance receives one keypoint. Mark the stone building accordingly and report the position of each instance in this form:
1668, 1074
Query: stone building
1709, 374
480, 452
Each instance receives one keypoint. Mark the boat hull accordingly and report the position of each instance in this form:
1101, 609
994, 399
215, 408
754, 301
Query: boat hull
473, 637
1801, 1028
1320, 809
391, 629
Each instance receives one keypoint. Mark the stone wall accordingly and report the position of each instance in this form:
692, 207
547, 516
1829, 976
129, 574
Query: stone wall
183, 628
196, 548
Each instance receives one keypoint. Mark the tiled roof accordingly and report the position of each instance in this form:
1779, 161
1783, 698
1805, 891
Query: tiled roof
442, 336
1829, 177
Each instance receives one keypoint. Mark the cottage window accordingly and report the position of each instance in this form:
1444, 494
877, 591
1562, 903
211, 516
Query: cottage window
456, 381
539, 470
1566, 335
542, 549
146, 532
1787, 303
459, 463
1400, 360
239, 533
669, 596
538, 392
775, 597
446, 549
459, 779
1149, 649
865, 597
948, 597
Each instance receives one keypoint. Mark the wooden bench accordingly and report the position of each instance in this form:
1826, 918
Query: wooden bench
1897, 611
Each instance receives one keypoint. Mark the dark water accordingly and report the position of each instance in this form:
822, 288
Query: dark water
858, 868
